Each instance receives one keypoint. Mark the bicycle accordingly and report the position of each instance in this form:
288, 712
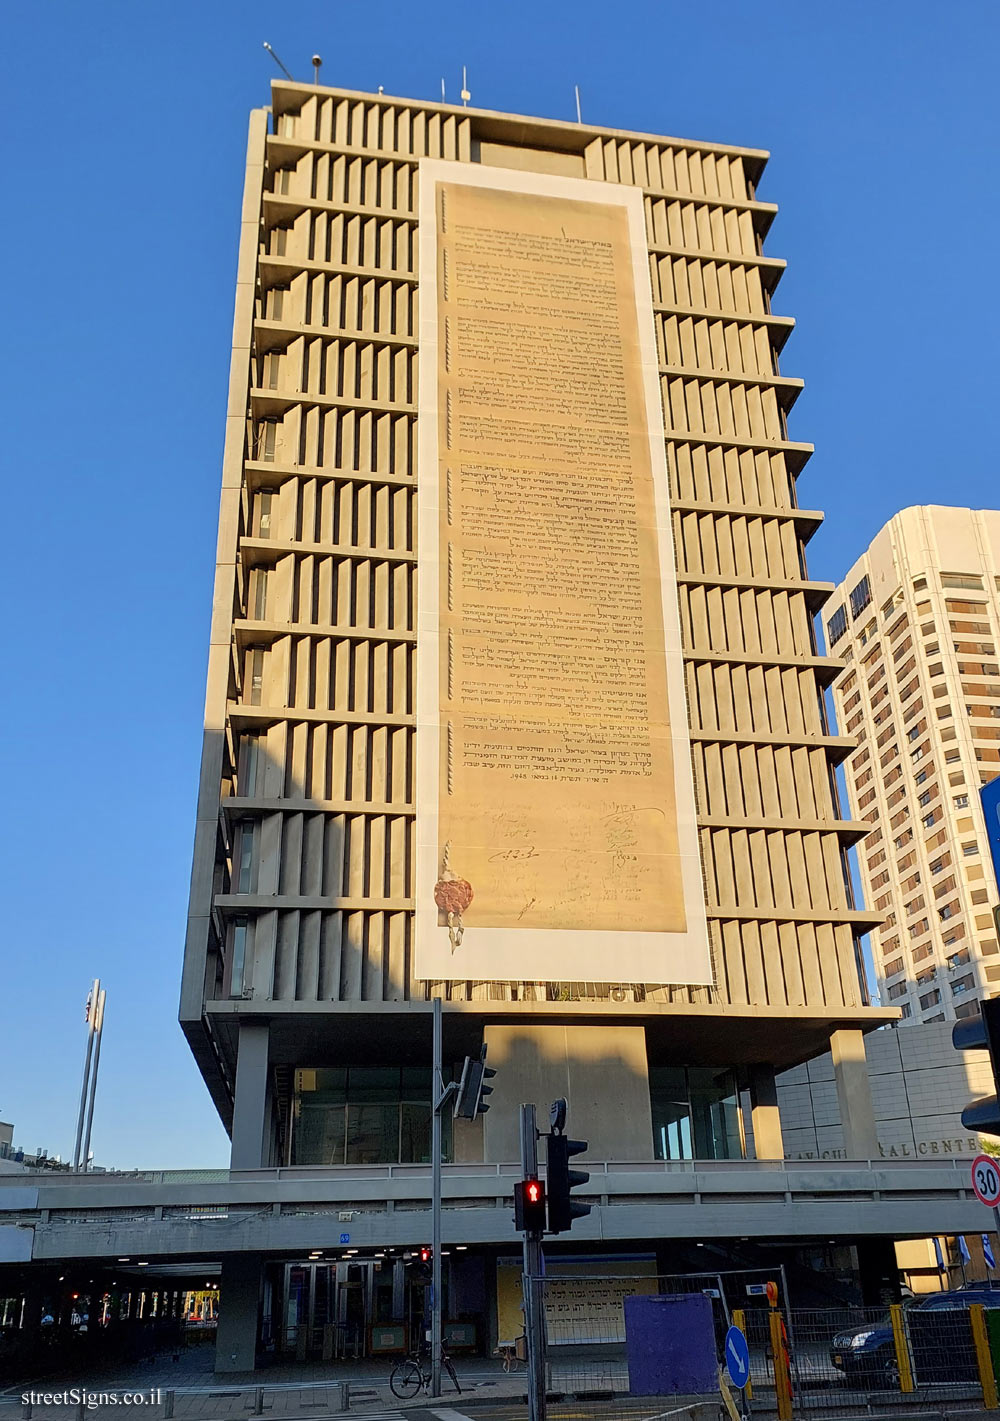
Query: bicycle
408, 1377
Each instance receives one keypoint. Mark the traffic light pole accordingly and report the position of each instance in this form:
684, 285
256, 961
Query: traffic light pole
437, 1099
534, 1303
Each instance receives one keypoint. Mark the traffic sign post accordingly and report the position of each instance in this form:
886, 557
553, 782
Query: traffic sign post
986, 1185
737, 1354
986, 1180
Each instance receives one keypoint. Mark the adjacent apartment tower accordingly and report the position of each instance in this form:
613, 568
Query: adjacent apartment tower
917, 620
514, 697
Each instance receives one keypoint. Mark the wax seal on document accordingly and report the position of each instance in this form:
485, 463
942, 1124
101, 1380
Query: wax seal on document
452, 895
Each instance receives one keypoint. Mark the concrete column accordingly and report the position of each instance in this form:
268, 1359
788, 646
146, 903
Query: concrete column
251, 1096
239, 1312
764, 1116
854, 1094
34, 1301
601, 1070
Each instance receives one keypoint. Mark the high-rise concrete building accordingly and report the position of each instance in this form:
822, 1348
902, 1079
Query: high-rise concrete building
527, 372
917, 620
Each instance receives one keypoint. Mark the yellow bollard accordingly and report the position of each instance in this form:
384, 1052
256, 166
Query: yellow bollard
902, 1350
983, 1359
782, 1375
740, 1321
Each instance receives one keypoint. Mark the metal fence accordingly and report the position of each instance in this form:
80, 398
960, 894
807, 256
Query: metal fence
834, 1362
815, 1362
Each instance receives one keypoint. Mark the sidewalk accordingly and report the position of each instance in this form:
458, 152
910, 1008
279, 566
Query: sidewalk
288, 1389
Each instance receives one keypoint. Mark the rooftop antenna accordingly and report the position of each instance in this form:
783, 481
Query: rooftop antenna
317, 62
466, 96
579, 116
277, 61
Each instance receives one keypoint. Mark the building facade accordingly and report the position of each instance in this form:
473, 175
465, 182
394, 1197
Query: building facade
920, 1085
917, 620
467, 799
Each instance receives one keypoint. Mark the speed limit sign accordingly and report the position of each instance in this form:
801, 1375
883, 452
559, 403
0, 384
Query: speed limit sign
986, 1180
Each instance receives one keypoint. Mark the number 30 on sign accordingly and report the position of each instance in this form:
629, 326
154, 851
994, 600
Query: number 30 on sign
986, 1180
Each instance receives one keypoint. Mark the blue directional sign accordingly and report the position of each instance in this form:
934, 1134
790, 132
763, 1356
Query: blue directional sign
737, 1358
989, 797
345, 1238
988, 1252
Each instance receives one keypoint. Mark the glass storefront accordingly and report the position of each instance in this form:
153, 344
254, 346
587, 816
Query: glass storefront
363, 1115
695, 1112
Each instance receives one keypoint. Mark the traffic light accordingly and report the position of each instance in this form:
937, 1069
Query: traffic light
472, 1087
529, 1206
975, 1034
426, 1254
561, 1181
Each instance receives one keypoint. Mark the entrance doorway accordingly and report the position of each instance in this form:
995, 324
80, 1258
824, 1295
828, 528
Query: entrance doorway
349, 1309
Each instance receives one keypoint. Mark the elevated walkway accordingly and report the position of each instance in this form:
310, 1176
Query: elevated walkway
287, 1212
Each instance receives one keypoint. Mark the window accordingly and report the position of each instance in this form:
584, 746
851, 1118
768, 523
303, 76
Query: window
961, 801
969, 849
258, 593
963, 984
695, 1113
246, 782
930, 999
244, 858
237, 956
267, 439
836, 626
925, 798
898, 989
255, 667
929, 820
860, 597
961, 579
363, 1115
906, 1010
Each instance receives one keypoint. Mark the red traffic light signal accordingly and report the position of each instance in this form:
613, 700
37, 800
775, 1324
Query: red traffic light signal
529, 1206
425, 1255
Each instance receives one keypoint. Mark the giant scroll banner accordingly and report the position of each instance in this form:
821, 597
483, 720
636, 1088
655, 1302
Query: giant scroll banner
553, 763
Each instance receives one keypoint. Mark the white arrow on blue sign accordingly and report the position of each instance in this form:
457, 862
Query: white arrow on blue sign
737, 1358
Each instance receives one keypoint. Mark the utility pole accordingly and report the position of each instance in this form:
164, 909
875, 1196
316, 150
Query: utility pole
98, 1035
95, 992
534, 1302
440, 1096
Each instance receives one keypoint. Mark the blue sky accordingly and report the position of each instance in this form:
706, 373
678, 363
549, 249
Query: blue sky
126, 127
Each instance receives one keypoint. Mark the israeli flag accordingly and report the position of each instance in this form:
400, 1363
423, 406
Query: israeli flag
988, 1252
963, 1249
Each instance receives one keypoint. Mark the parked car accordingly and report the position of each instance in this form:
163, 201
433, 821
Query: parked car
941, 1347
